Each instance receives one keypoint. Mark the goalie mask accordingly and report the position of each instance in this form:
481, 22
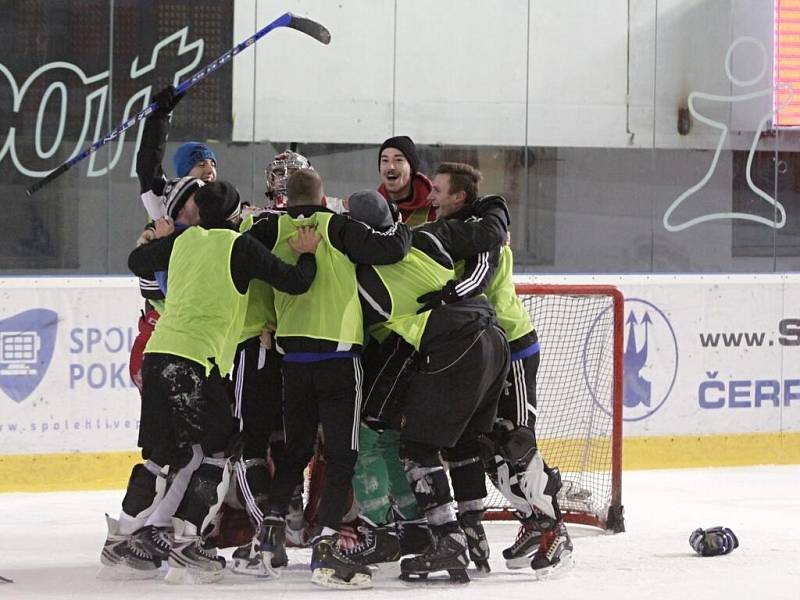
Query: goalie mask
277, 174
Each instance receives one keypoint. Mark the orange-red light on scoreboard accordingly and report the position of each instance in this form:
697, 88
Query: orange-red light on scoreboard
786, 47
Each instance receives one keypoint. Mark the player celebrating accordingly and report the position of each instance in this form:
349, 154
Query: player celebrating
401, 181
513, 461
191, 349
460, 353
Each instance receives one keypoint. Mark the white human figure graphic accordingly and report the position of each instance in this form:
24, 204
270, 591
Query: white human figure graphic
722, 137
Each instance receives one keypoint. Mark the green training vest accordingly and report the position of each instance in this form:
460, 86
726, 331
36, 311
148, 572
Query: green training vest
413, 276
418, 216
204, 312
330, 309
511, 313
260, 302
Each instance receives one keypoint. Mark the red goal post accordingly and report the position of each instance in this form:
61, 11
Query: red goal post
579, 398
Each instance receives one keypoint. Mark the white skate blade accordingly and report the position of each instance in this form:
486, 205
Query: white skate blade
327, 578
189, 576
254, 567
520, 562
122, 572
422, 579
557, 570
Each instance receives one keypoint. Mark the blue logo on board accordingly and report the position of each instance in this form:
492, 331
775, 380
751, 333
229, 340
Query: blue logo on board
26, 348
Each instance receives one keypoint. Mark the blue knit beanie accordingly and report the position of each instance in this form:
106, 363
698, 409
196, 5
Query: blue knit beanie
188, 155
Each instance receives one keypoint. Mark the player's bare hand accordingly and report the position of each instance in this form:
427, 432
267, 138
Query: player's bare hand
265, 338
164, 226
148, 235
307, 240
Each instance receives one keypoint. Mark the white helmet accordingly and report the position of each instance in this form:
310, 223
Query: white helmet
277, 174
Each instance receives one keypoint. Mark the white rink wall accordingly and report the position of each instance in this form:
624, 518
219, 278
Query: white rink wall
538, 73
64, 384
77, 396
721, 353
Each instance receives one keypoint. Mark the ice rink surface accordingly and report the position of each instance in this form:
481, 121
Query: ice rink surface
50, 546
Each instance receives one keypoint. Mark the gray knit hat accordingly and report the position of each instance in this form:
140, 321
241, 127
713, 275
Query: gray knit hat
369, 207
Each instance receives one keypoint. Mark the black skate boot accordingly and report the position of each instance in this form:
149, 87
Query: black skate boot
121, 561
529, 536
448, 552
189, 561
271, 536
415, 536
297, 528
477, 544
554, 553
373, 544
155, 541
247, 559
330, 568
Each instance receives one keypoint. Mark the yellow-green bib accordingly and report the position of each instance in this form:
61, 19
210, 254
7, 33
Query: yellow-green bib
203, 312
260, 302
404, 280
330, 309
418, 216
511, 313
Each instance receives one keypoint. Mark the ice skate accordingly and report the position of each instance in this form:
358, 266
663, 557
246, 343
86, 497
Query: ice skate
414, 536
554, 554
189, 561
247, 560
155, 541
477, 544
271, 536
448, 552
529, 536
330, 568
297, 528
372, 544
121, 561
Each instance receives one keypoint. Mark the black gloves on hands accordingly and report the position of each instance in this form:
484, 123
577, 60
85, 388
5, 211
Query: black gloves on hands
446, 295
167, 100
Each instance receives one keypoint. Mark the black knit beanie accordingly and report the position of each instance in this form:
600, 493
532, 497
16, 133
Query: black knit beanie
406, 145
218, 204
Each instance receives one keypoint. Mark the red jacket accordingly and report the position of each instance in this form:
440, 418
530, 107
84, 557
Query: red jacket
413, 210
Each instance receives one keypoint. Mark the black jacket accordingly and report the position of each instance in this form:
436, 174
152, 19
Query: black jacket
152, 180
479, 267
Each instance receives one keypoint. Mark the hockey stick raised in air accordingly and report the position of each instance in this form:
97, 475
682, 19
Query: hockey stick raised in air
307, 26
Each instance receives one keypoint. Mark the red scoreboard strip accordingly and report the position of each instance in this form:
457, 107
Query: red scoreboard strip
786, 47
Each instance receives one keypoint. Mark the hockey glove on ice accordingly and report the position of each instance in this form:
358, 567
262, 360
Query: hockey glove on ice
714, 541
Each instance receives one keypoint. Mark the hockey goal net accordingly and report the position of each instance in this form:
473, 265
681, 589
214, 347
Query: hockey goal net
579, 399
